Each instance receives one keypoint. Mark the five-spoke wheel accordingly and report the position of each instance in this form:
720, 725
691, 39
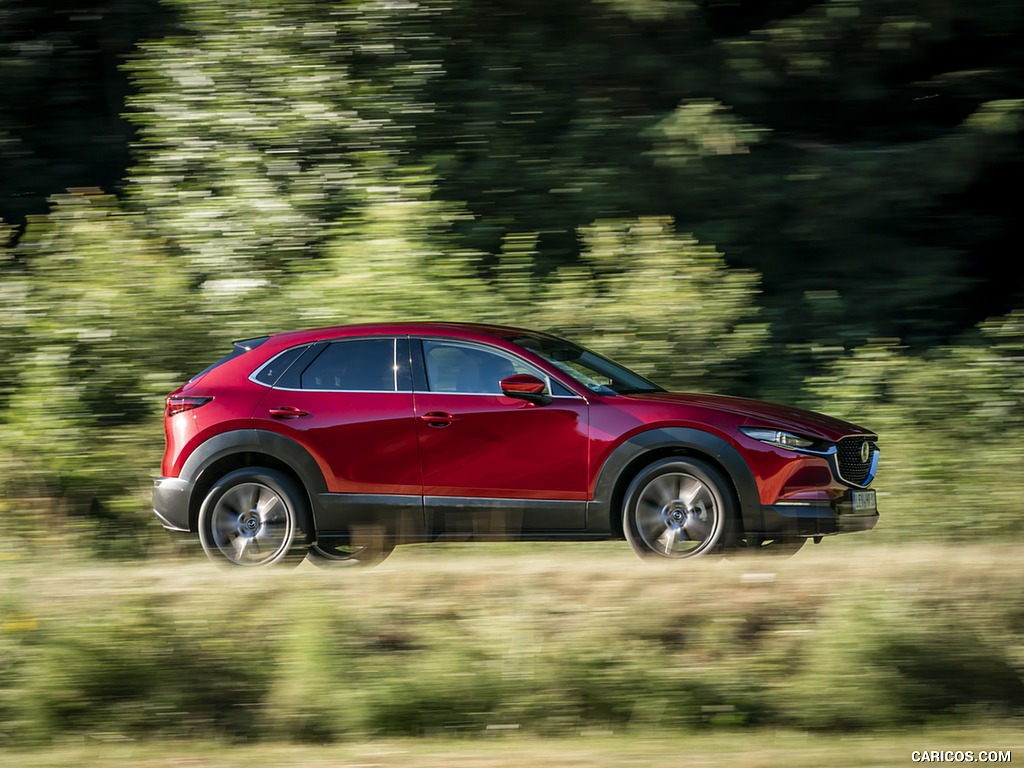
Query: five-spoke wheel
678, 507
254, 517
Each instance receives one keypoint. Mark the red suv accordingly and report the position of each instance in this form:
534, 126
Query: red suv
340, 443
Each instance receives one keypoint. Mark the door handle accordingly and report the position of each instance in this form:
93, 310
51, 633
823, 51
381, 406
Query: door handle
438, 419
288, 412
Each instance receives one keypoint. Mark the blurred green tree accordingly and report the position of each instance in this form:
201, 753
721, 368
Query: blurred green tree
103, 318
653, 299
952, 424
851, 149
853, 152
263, 122
537, 164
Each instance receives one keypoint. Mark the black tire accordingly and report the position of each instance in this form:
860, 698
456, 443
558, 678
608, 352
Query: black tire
678, 507
364, 546
255, 517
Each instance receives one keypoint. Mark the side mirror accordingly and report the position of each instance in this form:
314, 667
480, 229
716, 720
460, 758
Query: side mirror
523, 386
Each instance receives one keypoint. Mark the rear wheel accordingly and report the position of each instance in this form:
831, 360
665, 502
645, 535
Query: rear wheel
255, 517
677, 508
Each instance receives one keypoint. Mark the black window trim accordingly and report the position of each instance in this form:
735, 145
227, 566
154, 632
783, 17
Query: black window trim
321, 346
422, 387
254, 376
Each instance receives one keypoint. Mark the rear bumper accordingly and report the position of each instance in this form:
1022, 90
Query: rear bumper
170, 502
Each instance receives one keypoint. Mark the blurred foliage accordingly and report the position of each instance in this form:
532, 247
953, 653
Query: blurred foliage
102, 322
131, 668
952, 426
881, 640
109, 319
848, 146
737, 197
894, 661
856, 146
264, 122
640, 293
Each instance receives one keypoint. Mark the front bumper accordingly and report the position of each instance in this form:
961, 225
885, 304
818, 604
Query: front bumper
171, 502
818, 518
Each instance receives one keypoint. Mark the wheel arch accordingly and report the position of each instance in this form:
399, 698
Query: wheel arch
604, 511
242, 448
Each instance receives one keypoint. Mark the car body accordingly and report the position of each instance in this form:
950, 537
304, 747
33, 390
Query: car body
340, 443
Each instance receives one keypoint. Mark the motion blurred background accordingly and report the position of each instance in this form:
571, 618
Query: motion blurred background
811, 201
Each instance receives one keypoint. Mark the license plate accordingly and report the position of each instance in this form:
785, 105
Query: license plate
863, 501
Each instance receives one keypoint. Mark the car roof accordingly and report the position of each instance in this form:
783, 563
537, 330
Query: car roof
455, 330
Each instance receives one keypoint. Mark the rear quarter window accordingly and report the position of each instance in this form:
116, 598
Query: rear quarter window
272, 371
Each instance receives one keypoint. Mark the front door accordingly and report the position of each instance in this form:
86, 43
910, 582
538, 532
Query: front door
491, 462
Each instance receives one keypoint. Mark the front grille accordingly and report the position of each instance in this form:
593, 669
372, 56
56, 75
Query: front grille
852, 469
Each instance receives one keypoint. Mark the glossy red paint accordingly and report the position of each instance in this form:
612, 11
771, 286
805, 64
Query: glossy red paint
364, 442
781, 474
419, 440
230, 405
522, 384
500, 447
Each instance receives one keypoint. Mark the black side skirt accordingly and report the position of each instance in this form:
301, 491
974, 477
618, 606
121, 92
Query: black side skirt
415, 518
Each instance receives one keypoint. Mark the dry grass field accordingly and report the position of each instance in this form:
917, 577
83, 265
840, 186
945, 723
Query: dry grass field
758, 749
490, 655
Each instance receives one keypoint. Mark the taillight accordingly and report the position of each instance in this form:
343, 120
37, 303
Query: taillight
179, 404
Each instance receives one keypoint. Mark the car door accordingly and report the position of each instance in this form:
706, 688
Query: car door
494, 461
349, 403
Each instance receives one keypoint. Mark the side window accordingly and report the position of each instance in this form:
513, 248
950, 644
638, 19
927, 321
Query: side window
361, 365
275, 368
467, 369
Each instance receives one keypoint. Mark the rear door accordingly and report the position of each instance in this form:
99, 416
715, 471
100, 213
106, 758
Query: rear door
351, 407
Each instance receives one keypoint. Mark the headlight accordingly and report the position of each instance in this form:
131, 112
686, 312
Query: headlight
777, 437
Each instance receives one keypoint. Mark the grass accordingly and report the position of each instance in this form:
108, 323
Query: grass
503, 654
738, 749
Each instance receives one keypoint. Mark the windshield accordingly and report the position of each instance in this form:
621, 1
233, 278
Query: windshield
598, 374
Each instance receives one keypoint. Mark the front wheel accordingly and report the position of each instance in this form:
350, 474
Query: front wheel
676, 508
255, 517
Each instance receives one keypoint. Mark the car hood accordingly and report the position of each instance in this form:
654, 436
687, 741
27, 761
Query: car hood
759, 413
